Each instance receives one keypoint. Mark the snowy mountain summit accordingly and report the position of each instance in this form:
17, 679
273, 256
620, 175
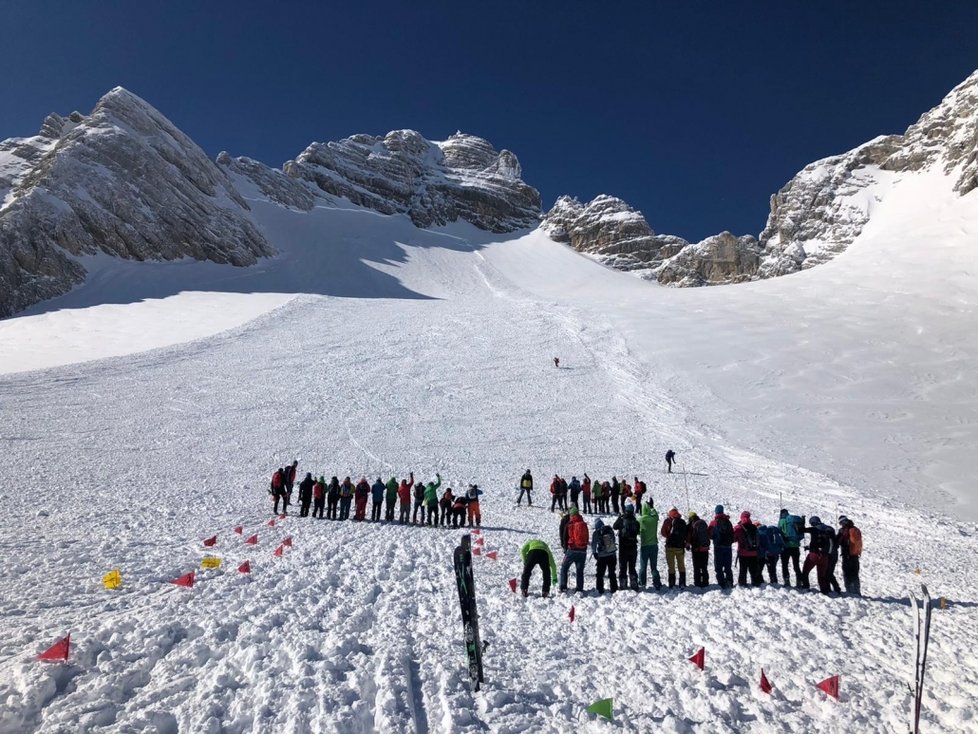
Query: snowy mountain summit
813, 218
123, 181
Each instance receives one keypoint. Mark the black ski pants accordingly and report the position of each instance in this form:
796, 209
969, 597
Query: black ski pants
534, 558
771, 564
749, 565
833, 562
701, 574
433, 513
376, 510
794, 554
317, 508
331, 504
418, 507
587, 504
850, 574
446, 515
627, 557
389, 510
529, 498
345, 507
614, 503
607, 565
304, 508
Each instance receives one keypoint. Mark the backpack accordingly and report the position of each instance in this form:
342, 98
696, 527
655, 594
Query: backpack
775, 543
677, 533
577, 535
750, 537
724, 534
791, 528
701, 534
629, 527
855, 541
606, 545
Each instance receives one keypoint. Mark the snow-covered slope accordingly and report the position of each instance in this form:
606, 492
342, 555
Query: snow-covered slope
841, 389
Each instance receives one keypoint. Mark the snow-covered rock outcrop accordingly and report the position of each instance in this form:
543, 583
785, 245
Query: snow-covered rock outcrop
434, 183
122, 181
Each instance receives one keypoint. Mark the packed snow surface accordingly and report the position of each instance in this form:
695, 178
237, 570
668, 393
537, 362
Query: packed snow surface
844, 389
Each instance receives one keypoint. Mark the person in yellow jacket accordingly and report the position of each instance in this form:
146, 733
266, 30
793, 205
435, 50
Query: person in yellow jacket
537, 553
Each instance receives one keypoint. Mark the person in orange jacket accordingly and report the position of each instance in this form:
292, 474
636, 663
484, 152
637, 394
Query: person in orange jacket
475, 511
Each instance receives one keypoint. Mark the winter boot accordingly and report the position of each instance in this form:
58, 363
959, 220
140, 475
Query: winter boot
672, 580
682, 580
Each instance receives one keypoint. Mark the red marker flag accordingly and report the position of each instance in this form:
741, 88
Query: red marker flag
278, 552
477, 551
282, 516
211, 541
479, 541
830, 686
253, 540
512, 585
572, 613
476, 532
186, 580
239, 530
271, 523
492, 555
699, 659
765, 684
57, 651
245, 567
287, 542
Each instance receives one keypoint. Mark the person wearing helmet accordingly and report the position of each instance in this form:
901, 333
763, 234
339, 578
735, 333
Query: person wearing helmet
818, 554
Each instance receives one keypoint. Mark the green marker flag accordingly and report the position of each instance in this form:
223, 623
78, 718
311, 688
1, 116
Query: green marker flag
602, 708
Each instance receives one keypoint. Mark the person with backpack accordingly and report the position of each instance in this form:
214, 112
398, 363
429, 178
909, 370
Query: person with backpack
833, 559
431, 499
791, 527
851, 547
639, 493
332, 498
473, 507
615, 494
575, 491
648, 526
537, 553
586, 493
377, 491
390, 499
628, 532
771, 547
418, 503
745, 533
360, 495
698, 540
445, 503
674, 530
346, 498
722, 534
670, 457
404, 490
818, 555
319, 498
576, 551
460, 506
605, 552
305, 494
526, 487
277, 488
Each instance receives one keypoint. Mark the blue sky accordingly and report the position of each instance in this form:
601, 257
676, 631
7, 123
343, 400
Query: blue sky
693, 112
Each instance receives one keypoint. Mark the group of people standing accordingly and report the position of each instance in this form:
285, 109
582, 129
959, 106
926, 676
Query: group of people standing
626, 552
335, 499
589, 496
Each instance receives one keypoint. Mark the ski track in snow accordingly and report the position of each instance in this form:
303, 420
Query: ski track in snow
131, 461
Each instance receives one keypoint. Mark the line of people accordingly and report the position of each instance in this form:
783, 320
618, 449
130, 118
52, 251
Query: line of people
626, 552
589, 496
334, 499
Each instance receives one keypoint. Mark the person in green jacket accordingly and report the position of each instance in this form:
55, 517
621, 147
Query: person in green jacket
537, 553
649, 549
390, 499
431, 499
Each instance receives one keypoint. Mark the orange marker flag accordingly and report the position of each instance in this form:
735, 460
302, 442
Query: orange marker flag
58, 651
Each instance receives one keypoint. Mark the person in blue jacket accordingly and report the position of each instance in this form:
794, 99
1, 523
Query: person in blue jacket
377, 492
770, 546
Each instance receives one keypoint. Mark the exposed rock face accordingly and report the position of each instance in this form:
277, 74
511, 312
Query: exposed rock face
463, 177
824, 208
272, 183
123, 181
722, 258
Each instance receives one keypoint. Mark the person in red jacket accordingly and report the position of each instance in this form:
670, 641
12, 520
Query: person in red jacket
360, 495
586, 493
404, 491
575, 551
745, 534
639, 492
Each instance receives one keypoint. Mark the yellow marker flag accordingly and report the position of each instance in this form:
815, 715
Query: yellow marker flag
113, 579
210, 562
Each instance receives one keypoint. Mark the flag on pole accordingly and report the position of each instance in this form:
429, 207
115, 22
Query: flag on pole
245, 567
253, 540
113, 579
765, 684
512, 585
602, 708
211, 541
58, 651
699, 659
830, 686
186, 580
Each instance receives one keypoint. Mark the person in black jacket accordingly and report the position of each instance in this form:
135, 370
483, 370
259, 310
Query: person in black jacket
526, 485
305, 495
818, 555
628, 530
670, 457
